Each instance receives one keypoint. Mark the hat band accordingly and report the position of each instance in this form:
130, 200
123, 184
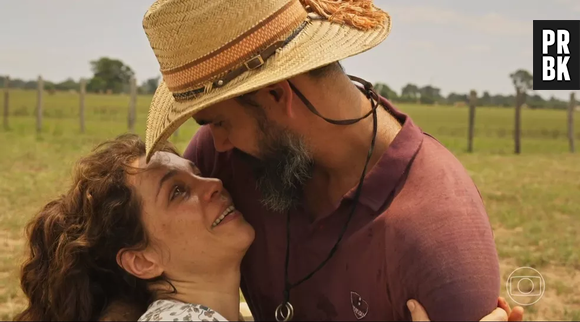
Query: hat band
253, 63
237, 52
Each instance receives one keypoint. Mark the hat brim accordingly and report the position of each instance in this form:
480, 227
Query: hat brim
320, 43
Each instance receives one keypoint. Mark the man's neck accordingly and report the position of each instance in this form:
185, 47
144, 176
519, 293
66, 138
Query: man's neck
220, 292
341, 154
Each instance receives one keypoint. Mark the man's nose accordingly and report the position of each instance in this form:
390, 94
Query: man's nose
221, 140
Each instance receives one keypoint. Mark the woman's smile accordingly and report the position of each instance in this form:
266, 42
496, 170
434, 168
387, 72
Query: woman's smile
225, 216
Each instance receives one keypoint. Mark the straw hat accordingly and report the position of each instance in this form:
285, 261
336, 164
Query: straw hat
211, 51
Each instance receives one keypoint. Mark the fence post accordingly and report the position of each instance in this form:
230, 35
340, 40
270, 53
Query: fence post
6, 100
472, 104
571, 109
39, 105
520, 100
82, 104
132, 104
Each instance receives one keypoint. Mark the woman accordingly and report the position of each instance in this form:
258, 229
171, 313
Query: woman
157, 235
154, 234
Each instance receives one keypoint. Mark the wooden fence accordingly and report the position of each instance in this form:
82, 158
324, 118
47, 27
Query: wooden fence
571, 109
132, 114
6, 102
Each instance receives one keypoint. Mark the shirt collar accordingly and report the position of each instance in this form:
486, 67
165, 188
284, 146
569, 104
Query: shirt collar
382, 180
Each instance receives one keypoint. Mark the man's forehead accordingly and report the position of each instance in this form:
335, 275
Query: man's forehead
214, 111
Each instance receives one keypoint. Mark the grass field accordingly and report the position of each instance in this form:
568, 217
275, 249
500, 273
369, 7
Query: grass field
533, 199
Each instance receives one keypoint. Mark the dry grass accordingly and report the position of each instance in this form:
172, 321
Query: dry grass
533, 200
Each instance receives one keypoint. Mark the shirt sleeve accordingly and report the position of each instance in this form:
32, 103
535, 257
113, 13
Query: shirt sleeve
446, 259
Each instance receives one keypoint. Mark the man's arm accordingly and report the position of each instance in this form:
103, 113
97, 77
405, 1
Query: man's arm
447, 262
502, 313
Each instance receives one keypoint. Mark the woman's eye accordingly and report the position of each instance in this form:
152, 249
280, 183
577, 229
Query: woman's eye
177, 191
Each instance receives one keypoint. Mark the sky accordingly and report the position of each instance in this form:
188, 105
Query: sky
454, 45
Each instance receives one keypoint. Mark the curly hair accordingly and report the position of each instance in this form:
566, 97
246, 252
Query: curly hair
71, 272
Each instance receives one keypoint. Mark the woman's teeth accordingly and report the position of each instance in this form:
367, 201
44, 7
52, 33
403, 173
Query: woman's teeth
226, 212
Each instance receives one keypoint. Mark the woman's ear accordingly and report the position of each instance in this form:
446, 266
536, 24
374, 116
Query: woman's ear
139, 263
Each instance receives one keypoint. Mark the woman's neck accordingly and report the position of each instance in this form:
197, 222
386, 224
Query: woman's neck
219, 292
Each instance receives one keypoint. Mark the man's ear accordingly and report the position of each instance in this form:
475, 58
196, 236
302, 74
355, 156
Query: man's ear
139, 263
281, 94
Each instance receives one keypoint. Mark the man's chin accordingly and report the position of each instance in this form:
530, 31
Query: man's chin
252, 160
275, 195
276, 199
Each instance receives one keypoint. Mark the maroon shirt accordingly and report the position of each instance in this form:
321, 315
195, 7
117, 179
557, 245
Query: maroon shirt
420, 231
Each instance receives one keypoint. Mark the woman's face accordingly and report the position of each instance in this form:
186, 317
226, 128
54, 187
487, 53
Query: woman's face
190, 220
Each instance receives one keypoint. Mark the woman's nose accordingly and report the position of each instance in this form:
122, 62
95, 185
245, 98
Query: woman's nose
212, 188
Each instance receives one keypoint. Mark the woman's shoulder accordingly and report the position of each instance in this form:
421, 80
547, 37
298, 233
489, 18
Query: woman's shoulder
172, 310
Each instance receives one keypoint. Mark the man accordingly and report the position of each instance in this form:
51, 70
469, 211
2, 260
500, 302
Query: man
356, 210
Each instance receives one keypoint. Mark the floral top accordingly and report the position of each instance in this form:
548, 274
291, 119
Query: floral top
172, 310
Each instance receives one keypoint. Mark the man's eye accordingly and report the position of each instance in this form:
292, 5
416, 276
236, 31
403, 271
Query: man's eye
177, 191
218, 124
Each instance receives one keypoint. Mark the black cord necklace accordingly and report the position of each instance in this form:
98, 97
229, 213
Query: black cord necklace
285, 311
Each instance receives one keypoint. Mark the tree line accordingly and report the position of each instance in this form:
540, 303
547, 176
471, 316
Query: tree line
430, 95
109, 76
113, 76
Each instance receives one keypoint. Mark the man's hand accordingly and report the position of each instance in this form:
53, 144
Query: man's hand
502, 313
516, 315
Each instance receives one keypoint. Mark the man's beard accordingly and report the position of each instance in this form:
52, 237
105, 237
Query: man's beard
284, 165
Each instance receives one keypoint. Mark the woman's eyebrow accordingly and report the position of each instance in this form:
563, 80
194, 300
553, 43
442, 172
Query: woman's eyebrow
194, 168
166, 177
